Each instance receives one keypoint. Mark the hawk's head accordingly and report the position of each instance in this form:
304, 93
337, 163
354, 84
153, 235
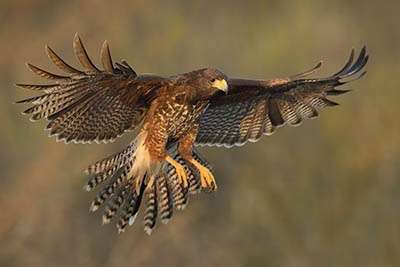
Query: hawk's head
205, 83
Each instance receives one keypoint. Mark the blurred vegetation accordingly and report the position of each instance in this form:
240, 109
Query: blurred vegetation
323, 194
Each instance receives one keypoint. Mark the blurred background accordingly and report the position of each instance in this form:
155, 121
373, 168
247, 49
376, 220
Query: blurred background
323, 194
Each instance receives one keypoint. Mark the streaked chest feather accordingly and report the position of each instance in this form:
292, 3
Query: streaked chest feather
179, 118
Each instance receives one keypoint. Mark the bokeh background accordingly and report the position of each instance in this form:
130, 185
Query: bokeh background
324, 194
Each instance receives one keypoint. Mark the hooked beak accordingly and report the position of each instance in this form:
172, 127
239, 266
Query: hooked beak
221, 85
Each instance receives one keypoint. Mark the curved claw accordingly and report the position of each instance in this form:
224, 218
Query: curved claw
206, 177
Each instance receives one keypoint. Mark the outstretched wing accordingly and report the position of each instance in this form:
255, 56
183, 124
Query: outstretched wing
253, 108
91, 105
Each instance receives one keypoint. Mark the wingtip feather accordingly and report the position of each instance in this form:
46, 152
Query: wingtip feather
60, 63
82, 55
106, 59
306, 73
76, 36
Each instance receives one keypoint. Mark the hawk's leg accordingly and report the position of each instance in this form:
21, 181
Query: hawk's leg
206, 177
156, 141
185, 147
180, 171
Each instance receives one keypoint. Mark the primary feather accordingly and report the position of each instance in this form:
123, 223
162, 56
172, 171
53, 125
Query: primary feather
173, 114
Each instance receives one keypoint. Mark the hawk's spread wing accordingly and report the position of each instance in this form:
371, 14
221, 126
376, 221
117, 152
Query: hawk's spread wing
253, 108
91, 105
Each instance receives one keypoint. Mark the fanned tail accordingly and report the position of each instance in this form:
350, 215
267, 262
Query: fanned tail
161, 191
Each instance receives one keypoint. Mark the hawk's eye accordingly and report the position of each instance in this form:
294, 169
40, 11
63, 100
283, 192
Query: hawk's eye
212, 80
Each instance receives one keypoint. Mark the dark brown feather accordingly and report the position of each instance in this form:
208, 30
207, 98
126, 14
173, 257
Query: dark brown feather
82, 55
92, 105
46, 74
235, 118
61, 64
106, 58
100, 105
151, 210
164, 199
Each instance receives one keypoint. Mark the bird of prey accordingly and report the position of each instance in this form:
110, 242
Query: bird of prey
172, 115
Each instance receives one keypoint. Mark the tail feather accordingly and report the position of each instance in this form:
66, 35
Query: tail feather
151, 211
102, 165
99, 178
164, 199
110, 189
115, 203
161, 189
179, 195
101, 197
131, 209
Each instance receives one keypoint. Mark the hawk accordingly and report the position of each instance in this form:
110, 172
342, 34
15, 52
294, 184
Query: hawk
172, 115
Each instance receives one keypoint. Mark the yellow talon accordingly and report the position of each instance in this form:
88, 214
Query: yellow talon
206, 177
180, 171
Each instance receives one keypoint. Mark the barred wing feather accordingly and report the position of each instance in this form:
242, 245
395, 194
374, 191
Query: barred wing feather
253, 108
91, 105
